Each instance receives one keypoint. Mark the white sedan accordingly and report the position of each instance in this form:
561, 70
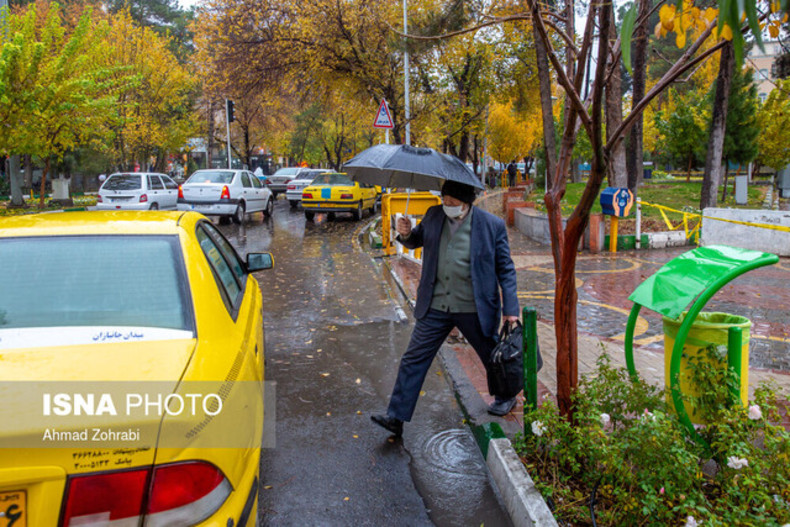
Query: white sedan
225, 193
298, 184
138, 191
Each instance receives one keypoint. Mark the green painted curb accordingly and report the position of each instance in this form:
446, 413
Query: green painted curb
485, 433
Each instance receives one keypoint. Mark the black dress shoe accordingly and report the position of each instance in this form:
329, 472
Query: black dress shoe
390, 423
501, 408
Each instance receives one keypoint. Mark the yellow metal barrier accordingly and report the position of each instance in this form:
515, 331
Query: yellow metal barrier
392, 204
694, 231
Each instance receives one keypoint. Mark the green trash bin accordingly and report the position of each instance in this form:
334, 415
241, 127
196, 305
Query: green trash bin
708, 329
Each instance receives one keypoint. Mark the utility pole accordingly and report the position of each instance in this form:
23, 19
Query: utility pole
406, 75
229, 118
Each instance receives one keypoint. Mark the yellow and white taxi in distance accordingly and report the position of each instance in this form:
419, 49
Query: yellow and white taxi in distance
338, 193
111, 324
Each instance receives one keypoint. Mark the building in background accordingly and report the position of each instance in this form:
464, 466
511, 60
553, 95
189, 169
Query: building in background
765, 66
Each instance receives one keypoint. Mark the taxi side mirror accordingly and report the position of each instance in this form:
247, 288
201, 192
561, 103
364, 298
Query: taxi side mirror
259, 262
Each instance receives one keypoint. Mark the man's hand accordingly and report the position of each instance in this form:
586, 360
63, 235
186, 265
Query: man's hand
509, 320
404, 226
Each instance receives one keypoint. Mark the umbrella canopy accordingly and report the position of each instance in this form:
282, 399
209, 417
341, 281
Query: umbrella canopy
406, 166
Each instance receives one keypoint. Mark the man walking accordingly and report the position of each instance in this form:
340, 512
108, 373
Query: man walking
511, 174
466, 261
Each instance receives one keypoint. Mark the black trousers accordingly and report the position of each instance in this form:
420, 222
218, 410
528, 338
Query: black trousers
426, 339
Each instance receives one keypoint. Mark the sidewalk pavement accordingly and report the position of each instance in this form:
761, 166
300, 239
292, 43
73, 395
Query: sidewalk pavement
602, 324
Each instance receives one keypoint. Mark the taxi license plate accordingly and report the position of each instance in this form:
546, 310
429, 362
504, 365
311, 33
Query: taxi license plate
13, 509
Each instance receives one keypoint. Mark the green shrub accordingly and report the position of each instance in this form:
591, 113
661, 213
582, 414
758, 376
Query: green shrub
629, 454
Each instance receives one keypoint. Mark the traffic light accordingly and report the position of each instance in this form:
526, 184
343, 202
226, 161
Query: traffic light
231, 117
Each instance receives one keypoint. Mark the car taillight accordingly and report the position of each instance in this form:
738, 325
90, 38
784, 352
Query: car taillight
268, 182
143, 198
346, 196
98, 198
307, 195
110, 496
180, 192
291, 187
188, 492
225, 193
181, 494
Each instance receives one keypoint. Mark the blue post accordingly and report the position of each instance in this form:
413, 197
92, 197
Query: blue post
530, 353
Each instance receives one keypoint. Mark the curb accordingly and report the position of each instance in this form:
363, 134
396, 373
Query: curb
523, 502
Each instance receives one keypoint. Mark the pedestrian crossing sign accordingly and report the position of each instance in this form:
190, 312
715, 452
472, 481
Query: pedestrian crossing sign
383, 117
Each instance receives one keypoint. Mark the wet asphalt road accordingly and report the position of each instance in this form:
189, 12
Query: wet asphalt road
333, 342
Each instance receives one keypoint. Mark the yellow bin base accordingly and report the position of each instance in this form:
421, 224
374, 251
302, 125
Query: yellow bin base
708, 329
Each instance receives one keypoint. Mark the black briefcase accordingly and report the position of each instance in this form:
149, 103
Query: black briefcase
506, 370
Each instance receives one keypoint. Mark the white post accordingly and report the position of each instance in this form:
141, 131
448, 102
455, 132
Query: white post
638, 240
227, 128
387, 136
406, 77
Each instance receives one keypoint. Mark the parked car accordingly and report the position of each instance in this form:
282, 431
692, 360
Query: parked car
138, 191
278, 182
338, 193
128, 302
295, 187
225, 193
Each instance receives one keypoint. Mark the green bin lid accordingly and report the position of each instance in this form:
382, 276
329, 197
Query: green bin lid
681, 280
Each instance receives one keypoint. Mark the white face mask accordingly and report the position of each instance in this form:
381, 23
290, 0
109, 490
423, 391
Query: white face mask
453, 212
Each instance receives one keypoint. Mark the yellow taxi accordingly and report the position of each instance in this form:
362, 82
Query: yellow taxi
132, 367
335, 192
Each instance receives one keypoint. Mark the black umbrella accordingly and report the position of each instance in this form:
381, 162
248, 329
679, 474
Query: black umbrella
405, 166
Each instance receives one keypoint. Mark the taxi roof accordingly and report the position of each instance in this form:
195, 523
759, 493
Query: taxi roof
97, 222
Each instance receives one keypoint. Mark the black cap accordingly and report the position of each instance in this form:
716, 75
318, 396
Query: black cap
465, 193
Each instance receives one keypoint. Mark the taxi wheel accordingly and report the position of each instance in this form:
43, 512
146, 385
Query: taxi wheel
358, 213
331, 216
153, 206
373, 207
269, 208
309, 215
238, 216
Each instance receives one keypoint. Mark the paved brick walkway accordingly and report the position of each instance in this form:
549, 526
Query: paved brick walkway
604, 283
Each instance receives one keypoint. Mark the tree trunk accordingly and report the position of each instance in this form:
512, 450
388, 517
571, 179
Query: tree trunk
726, 178
544, 77
42, 192
710, 181
247, 148
15, 182
28, 171
617, 171
576, 174
634, 160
